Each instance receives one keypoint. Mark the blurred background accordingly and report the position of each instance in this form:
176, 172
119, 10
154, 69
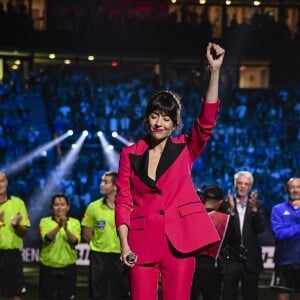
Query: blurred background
76, 75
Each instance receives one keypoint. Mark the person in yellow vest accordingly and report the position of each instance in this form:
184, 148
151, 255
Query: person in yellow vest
14, 224
99, 230
58, 255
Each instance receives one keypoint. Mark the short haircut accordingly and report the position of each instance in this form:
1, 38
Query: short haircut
112, 174
59, 195
245, 174
289, 181
4, 174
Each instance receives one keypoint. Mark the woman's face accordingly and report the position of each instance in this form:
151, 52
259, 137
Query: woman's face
60, 207
160, 125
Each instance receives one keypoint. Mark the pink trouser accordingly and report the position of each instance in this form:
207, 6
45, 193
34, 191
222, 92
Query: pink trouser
175, 271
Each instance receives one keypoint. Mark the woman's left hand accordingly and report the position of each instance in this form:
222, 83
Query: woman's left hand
215, 55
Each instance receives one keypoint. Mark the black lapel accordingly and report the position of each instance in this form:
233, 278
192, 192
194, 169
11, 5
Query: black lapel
247, 212
139, 164
237, 219
169, 155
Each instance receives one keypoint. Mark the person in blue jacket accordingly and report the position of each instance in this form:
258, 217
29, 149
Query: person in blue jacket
285, 222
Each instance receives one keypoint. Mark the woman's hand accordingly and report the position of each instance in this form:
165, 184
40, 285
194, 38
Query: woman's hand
215, 55
124, 257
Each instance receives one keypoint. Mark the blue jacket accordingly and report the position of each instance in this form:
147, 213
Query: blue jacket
285, 222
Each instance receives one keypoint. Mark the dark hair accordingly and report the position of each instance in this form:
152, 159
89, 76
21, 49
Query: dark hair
166, 102
112, 174
212, 191
59, 195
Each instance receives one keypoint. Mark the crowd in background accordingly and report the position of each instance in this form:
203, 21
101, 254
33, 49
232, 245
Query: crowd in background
255, 131
17, 134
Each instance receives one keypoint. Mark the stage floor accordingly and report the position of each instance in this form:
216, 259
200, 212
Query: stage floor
32, 272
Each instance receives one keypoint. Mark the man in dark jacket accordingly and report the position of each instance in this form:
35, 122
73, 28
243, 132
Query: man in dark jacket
245, 262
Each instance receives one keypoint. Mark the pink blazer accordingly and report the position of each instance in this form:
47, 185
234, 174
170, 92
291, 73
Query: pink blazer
170, 205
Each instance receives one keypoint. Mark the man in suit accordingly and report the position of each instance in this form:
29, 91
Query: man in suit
249, 218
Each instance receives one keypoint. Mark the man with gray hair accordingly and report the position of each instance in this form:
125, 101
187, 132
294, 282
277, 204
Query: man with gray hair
250, 221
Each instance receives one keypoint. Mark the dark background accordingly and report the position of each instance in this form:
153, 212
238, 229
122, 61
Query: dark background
140, 47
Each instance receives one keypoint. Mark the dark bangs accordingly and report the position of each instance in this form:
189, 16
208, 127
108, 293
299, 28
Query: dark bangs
167, 103
59, 195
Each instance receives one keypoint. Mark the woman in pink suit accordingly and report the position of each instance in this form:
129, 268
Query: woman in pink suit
158, 213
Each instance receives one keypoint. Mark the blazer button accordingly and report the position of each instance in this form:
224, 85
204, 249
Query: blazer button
161, 212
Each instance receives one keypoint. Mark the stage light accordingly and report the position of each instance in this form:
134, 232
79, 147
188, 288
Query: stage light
21, 162
85, 132
40, 201
111, 157
121, 139
114, 64
44, 153
70, 132
100, 133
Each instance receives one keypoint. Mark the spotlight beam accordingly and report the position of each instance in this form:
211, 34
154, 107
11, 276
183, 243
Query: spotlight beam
40, 200
21, 162
110, 155
121, 139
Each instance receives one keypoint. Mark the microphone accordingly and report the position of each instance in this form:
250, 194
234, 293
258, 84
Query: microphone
131, 258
